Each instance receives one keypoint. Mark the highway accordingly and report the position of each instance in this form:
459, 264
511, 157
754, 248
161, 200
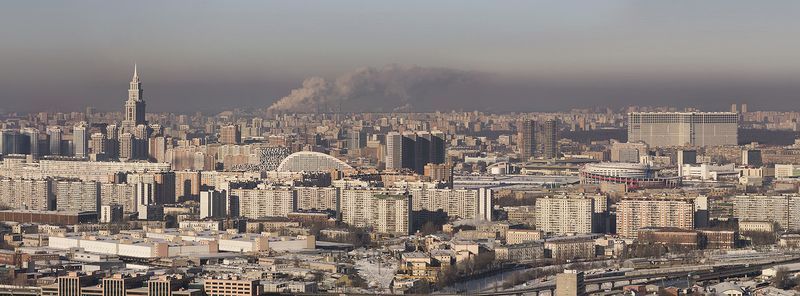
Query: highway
700, 273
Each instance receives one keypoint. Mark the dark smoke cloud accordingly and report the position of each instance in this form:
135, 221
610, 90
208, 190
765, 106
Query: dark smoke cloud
422, 89
390, 88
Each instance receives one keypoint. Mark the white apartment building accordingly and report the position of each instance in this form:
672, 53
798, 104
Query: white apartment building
387, 211
564, 214
266, 202
319, 198
462, 203
784, 210
635, 213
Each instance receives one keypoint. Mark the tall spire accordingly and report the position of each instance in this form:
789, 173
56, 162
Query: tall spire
135, 73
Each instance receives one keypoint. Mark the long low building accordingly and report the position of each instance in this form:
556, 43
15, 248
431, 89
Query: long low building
163, 243
60, 218
84, 170
131, 246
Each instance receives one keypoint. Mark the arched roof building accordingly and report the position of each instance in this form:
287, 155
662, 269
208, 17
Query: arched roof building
309, 161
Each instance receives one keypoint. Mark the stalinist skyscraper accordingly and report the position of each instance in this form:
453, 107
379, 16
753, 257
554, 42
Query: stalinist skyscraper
134, 106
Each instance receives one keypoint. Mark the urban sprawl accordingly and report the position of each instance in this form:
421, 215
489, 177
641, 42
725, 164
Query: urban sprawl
600, 201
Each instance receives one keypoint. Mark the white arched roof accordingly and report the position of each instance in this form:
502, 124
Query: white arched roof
309, 161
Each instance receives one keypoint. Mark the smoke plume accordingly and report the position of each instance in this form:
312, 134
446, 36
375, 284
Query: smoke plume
390, 88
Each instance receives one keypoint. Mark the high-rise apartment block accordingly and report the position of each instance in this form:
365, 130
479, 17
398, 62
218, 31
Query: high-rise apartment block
550, 147
212, 204
527, 141
564, 214
463, 203
265, 202
56, 136
230, 134
413, 151
77, 196
784, 210
80, 140
386, 211
25, 194
111, 214
628, 152
97, 145
635, 213
317, 198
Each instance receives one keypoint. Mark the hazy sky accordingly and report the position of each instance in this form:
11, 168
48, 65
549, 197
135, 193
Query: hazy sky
537, 55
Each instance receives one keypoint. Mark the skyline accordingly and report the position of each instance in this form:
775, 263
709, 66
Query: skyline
352, 147
531, 56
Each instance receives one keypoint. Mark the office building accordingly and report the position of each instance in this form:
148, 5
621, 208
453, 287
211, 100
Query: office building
119, 284
694, 129
163, 185
270, 157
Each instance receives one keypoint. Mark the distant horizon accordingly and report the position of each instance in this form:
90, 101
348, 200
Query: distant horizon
526, 55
